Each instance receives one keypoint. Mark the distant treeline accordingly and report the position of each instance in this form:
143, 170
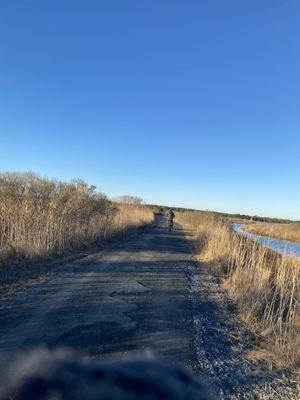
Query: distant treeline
162, 208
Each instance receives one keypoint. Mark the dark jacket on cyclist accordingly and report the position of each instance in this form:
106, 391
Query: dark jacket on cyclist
170, 215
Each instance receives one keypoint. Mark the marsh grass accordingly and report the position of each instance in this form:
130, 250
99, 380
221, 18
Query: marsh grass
41, 218
264, 284
289, 232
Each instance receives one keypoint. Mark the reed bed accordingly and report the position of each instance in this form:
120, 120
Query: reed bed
290, 232
264, 284
41, 218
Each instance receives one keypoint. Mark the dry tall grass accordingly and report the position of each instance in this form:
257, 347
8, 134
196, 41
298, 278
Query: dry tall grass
41, 218
264, 284
290, 232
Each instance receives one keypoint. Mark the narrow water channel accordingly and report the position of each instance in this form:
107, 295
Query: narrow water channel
282, 246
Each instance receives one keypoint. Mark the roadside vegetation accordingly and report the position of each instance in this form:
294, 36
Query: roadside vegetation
41, 218
290, 232
264, 284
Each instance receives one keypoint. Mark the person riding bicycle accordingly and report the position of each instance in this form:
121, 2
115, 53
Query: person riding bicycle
170, 218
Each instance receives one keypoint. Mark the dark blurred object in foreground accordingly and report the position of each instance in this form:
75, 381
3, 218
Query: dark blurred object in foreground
59, 375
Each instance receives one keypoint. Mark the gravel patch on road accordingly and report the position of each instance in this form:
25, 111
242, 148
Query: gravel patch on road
221, 348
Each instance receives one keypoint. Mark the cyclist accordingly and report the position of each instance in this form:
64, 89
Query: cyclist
170, 218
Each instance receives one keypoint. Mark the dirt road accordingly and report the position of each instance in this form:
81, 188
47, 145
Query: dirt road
147, 294
129, 299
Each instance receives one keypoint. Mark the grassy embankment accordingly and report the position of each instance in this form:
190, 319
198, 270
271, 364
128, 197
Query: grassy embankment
42, 218
264, 285
290, 232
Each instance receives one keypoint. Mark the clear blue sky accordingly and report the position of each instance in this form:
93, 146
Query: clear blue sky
190, 103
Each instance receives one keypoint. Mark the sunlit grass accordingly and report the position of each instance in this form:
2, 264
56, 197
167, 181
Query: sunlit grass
290, 232
41, 218
264, 284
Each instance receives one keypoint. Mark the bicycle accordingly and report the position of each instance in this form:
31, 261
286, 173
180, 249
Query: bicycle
170, 224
